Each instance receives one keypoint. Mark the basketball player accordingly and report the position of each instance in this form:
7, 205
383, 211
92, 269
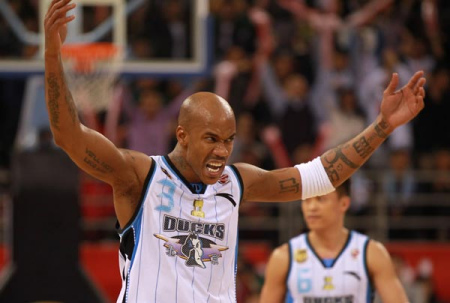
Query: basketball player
330, 263
172, 208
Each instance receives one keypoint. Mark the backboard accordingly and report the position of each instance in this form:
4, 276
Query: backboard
158, 37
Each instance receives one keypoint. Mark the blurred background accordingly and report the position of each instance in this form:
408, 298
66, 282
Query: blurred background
301, 75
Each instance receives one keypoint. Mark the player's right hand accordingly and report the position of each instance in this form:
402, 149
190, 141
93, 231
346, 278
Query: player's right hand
55, 25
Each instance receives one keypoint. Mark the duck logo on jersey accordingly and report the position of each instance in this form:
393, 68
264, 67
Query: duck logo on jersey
194, 249
300, 255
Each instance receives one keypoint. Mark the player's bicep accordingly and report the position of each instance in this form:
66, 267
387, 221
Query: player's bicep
280, 185
383, 274
98, 156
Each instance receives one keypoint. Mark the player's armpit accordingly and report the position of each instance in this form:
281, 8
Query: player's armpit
280, 185
383, 274
274, 288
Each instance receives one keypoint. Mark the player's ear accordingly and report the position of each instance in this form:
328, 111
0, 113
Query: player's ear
182, 136
344, 202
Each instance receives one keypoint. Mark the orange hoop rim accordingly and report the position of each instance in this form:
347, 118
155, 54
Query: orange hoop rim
84, 56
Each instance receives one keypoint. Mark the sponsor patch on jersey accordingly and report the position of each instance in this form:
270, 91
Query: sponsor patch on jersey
355, 253
166, 172
195, 250
328, 285
353, 274
300, 255
224, 179
198, 208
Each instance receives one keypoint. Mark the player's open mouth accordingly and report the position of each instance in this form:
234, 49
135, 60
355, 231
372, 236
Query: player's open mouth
313, 217
214, 167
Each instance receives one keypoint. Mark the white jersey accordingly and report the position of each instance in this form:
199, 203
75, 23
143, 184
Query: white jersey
181, 244
342, 280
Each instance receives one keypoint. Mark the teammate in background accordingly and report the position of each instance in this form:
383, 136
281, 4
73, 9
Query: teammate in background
330, 263
173, 208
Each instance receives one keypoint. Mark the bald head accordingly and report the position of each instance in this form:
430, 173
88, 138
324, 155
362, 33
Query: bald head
204, 107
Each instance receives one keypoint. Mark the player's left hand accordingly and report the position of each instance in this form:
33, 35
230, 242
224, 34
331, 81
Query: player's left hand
55, 25
401, 106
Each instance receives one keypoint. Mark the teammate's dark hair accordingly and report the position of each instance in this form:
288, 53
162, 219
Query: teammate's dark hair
344, 188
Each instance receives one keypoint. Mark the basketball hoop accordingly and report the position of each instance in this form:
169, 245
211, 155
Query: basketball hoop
91, 70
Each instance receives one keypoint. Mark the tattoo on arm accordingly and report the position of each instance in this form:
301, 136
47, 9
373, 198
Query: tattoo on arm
69, 99
380, 129
53, 96
371, 138
93, 161
55, 86
71, 105
332, 167
362, 147
289, 185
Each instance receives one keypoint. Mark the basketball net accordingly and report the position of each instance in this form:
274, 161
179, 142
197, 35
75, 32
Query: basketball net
91, 71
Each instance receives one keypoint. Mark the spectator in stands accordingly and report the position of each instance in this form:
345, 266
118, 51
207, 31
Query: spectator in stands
248, 146
399, 182
149, 122
232, 27
289, 104
346, 120
432, 129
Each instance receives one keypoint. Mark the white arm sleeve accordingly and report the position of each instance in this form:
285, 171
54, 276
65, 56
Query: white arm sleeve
315, 181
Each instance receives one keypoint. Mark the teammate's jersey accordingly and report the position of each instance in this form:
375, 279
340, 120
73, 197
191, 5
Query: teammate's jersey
181, 244
342, 280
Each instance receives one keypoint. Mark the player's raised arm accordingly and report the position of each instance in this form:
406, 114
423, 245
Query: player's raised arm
397, 108
323, 174
90, 150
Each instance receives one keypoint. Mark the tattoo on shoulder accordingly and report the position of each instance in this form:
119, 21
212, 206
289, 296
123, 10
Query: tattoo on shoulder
54, 92
93, 161
335, 159
289, 185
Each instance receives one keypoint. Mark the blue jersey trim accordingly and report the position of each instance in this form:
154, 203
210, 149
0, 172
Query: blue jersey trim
137, 232
289, 298
370, 293
349, 237
290, 263
188, 184
241, 183
328, 262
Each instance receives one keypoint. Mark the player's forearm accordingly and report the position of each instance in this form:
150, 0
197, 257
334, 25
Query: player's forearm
341, 162
60, 105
